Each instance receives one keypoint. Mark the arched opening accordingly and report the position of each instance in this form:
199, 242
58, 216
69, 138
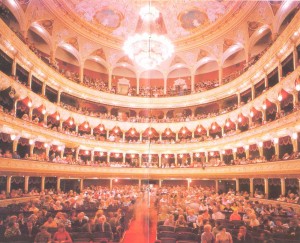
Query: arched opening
285, 147
179, 82
95, 75
151, 84
207, 76
124, 81
67, 63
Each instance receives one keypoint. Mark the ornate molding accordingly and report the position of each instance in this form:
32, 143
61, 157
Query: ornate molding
26, 167
243, 82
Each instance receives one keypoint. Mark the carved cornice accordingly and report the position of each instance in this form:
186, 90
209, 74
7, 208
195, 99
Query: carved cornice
279, 128
61, 11
288, 83
273, 169
244, 82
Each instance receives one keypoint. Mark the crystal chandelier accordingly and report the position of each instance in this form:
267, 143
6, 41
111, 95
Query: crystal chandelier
148, 49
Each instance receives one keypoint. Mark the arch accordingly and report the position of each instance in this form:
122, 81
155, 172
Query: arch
151, 78
17, 11
179, 80
259, 34
124, 79
285, 9
42, 32
235, 48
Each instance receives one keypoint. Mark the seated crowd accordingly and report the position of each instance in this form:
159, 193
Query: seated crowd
96, 212
202, 213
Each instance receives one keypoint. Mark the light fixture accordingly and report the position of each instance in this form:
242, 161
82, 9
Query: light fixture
199, 129
44, 111
264, 106
86, 125
57, 117
101, 154
101, 128
168, 132
246, 147
13, 137
181, 156
260, 144
298, 87
295, 135
31, 142
197, 155
276, 140
280, 97
29, 104
183, 131
132, 132
213, 127
116, 130
240, 119
148, 49
211, 153
149, 13
150, 132
251, 114
71, 122
227, 124
166, 156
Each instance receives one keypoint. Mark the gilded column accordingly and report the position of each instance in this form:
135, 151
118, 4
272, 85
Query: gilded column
282, 184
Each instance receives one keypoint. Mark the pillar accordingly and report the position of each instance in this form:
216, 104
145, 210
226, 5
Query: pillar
109, 79
58, 184
108, 157
223, 130
81, 73
239, 98
110, 184
30, 113
62, 152
295, 144
264, 114
124, 157
61, 124
15, 144
221, 156
47, 151
123, 136
107, 134
266, 81
278, 106
141, 136
92, 155
45, 118
92, 130
295, 56
237, 185
43, 183
193, 134
140, 183
206, 156
29, 80
26, 184
160, 136
176, 136
76, 128
81, 184
279, 71
266, 188
159, 182
165, 85
217, 186
15, 107
295, 98
276, 146
234, 154
14, 67
58, 96
193, 82
251, 187
247, 152
252, 92
189, 183
176, 159
31, 150
140, 160
282, 184
220, 76
8, 184
138, 85
159, 160
76, 154
261, 150
44, 89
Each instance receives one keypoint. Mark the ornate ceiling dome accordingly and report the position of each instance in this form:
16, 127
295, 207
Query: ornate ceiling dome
182, 18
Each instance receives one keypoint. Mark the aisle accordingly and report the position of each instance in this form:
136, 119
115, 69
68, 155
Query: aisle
143, 228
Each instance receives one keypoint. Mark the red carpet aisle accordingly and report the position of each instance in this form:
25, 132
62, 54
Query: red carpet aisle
143, 228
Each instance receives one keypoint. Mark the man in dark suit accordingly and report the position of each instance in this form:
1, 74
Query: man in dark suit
29, 230
243, 236
80, 221
103, 227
